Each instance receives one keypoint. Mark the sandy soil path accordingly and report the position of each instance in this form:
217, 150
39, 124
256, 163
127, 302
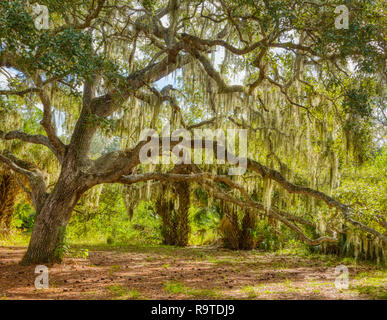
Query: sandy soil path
189, 273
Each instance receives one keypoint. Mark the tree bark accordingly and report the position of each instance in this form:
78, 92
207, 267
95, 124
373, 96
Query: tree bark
183, 229
51, 223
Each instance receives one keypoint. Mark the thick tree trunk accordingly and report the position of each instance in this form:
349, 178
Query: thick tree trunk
50, 225
8, 193
247, 241
164, 208
183, 229
175, 224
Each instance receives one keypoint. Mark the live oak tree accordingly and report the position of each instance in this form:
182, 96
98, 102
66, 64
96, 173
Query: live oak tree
308, 94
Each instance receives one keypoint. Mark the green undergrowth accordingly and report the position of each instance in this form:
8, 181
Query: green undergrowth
177, 288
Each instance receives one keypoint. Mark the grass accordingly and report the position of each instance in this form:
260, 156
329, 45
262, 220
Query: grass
250, 291
222, 262
284, 287
78, 253
314, 283
290, 287
374, 276
175, 287
288, 283
15, 238
329, 259
374, 292
253, 291
123, 293
372, 284
114, 269
149, 249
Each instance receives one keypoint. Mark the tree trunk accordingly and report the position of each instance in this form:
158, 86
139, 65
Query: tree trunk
164, 209
175, 225
247, 240
50, 225
183, 229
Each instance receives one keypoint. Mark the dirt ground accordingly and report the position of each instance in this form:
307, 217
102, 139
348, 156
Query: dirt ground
190, 273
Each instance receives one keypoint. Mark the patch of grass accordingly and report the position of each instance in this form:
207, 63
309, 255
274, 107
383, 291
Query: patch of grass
348, 261
293, 290
331, 261
175, 287
290, 288
293, 247
279, 266
374, 292
114, 269
134, 294
117, 290
250, 291
374, 276
78, 253
372, 284
201, 255
123, 293
288, 283
223, 262
15, 238
314, 283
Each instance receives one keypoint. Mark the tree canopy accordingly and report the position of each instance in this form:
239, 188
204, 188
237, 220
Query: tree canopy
78, 94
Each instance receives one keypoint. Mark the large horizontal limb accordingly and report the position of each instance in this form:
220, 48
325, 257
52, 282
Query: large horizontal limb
105, 105
203, 179
30, 138
253, 166
195, 41
18, 92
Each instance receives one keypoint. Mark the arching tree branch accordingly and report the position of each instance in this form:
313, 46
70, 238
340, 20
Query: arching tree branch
34, 176
35, 139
